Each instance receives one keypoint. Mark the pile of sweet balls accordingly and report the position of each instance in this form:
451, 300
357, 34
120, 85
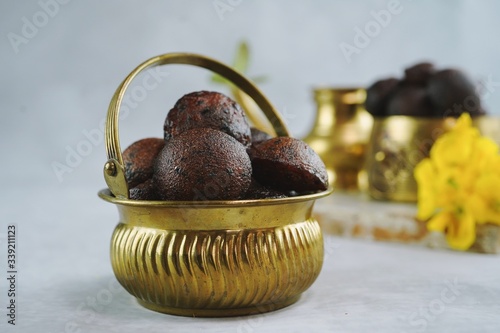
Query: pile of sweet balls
424, 92
209, 152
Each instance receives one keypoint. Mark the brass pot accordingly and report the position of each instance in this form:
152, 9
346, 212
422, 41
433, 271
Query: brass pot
210, 258
399, 143
340, 133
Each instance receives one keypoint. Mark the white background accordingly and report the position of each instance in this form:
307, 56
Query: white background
57, 84
60, 82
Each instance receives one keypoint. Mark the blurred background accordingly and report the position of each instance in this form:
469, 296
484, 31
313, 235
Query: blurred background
62, 60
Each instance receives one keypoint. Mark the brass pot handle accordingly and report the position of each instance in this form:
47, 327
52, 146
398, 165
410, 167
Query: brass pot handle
114, 172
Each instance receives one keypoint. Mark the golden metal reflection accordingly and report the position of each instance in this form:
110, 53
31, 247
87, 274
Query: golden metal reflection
340, 134
210, 258
399, 143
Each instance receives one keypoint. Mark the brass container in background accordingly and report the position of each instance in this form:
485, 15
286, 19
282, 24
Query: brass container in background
210, 258
340, 134
399, 143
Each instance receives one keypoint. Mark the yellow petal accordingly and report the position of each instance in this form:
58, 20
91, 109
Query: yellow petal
488, 186
463, 122
486, 198
424, 175
424, 171
494, 165
444, 152
461, 232
478, 207
448, 187
439, 222
485, 152
485, 146
426, 206
492, 216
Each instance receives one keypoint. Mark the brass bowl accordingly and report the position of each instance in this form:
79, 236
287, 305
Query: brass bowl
398, 143
218, 258
210, 258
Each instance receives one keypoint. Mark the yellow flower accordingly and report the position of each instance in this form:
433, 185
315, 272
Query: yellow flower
485, 201
424, 174
459, 185
459, 227
444, 152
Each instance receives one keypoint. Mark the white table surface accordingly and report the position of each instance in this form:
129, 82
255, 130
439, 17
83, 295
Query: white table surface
65, 282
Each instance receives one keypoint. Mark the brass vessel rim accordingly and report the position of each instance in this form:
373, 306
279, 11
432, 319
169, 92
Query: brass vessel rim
428, 119
342, 89
106, 195
347, 95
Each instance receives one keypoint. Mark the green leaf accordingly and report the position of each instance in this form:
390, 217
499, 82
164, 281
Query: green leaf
219, 79
240, 64
241, 60
259, 79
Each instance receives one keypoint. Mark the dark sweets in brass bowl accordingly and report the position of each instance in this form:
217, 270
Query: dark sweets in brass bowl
209, 152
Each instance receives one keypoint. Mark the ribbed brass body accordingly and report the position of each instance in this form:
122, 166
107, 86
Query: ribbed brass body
216, 258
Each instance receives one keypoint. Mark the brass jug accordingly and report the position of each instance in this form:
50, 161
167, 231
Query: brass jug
341, 133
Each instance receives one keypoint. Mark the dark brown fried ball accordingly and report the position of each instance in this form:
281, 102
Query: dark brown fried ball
286, 164
208, 109
138, 160
259, 136
410, 101
259, 191
143, 191
378, 95
453, 93
202, 164
419, 73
